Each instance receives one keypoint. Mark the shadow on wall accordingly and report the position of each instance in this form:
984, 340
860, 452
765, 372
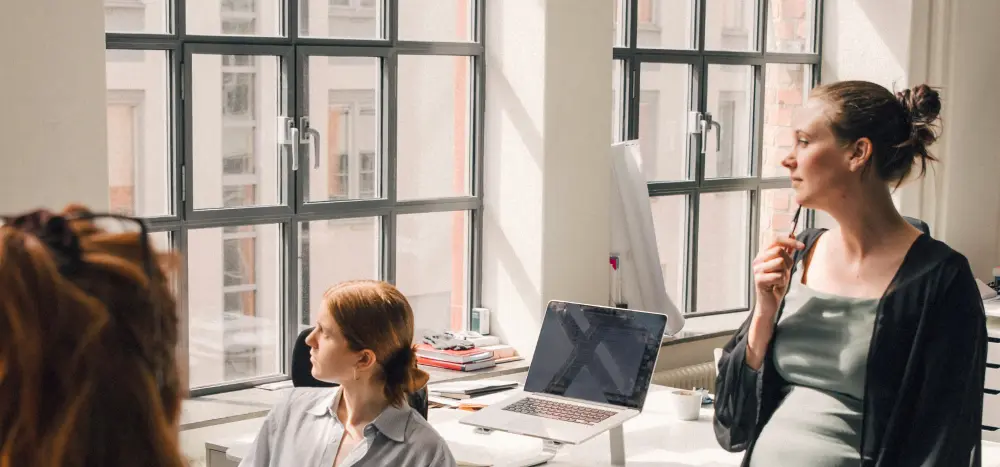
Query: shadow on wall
860, 33
515, 148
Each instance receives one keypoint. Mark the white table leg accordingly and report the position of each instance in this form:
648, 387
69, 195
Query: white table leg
617, 436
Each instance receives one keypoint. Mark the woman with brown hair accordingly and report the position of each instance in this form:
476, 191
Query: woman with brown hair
362, 341
867, 345
88, 332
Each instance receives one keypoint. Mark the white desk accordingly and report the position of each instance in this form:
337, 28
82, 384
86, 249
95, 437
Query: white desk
654, 438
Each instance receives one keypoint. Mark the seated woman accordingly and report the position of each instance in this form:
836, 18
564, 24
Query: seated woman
362, 341
88, 332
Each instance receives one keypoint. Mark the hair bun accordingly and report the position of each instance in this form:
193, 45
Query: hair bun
401, 371
923, 106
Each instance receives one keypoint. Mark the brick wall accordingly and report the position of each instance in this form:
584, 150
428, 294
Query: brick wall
777, 210
790, 27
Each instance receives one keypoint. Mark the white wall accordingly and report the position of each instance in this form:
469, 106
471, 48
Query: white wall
963, 195
548, 115
948, 44
52, 126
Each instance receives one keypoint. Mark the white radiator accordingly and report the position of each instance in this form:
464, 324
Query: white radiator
701, 375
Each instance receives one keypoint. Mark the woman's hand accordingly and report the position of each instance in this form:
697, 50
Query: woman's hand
771, 269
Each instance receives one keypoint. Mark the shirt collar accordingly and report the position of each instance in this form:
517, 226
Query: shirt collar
391, 422
327, 405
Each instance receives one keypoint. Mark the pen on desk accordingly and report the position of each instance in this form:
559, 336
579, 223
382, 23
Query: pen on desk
617, 288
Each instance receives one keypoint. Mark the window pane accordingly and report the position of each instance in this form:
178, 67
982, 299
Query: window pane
730, 101
790, 25
341, 19
136, 16
670, 220
161, 241
777, 210
435, 20
354, 242
665, 24
664, 103
434, 142
140, 152
234, 303
723, 269
236, 158
234, 17
343, 97
785, 90
432, 257
730, 25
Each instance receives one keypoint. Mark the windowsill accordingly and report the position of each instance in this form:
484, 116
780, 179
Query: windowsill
706, 327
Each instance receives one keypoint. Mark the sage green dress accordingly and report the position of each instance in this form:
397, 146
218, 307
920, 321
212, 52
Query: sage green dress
821, 348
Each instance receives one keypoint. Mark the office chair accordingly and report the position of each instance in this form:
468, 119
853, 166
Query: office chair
302, 375
919, 224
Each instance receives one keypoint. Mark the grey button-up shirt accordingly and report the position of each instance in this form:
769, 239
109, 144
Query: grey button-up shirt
304, 431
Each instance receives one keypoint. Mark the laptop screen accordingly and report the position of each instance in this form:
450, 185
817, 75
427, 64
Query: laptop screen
594, 353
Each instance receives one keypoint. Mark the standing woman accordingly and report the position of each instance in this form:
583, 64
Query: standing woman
868, 341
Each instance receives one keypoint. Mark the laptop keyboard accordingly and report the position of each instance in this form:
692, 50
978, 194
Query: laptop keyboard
559, 411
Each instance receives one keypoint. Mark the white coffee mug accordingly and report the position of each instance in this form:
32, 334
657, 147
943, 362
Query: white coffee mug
686, 404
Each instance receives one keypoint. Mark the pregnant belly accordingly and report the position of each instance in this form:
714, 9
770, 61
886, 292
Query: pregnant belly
812, 428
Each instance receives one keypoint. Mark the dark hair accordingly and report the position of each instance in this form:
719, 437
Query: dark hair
88, 370
375, 315
900, 127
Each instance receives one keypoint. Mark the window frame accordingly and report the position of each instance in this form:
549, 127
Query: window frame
629, 58
291, 214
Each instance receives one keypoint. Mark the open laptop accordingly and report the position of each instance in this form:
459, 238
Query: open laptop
591, 370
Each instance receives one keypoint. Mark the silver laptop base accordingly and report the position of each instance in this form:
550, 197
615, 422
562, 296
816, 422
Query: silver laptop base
551, 448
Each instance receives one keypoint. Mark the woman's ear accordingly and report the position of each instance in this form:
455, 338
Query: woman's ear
366, 360
860, 155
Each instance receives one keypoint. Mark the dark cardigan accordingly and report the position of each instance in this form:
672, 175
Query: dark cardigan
923, 398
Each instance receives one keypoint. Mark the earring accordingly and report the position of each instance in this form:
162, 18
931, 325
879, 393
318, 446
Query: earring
355, 374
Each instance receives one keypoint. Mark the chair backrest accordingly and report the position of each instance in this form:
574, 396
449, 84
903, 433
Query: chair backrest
302, 375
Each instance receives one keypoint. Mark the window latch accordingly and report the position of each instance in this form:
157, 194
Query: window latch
310, 132
700, 124
289, 137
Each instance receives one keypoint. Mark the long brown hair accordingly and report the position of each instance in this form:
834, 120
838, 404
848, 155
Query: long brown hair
88, 371
375, 315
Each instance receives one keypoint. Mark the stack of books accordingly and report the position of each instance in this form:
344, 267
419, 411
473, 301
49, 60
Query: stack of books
469, 389
459, 360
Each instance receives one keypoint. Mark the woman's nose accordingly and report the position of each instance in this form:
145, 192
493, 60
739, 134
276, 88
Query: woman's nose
788, 161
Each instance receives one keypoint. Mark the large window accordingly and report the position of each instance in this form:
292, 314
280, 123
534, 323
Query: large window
710, 88
282, 147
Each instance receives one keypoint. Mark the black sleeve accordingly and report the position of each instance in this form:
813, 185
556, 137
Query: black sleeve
949, 360
735, 394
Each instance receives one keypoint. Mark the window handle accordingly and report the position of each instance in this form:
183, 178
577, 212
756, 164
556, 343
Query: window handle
718, 134
705, 125
289, 139
312, 133
294, 137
